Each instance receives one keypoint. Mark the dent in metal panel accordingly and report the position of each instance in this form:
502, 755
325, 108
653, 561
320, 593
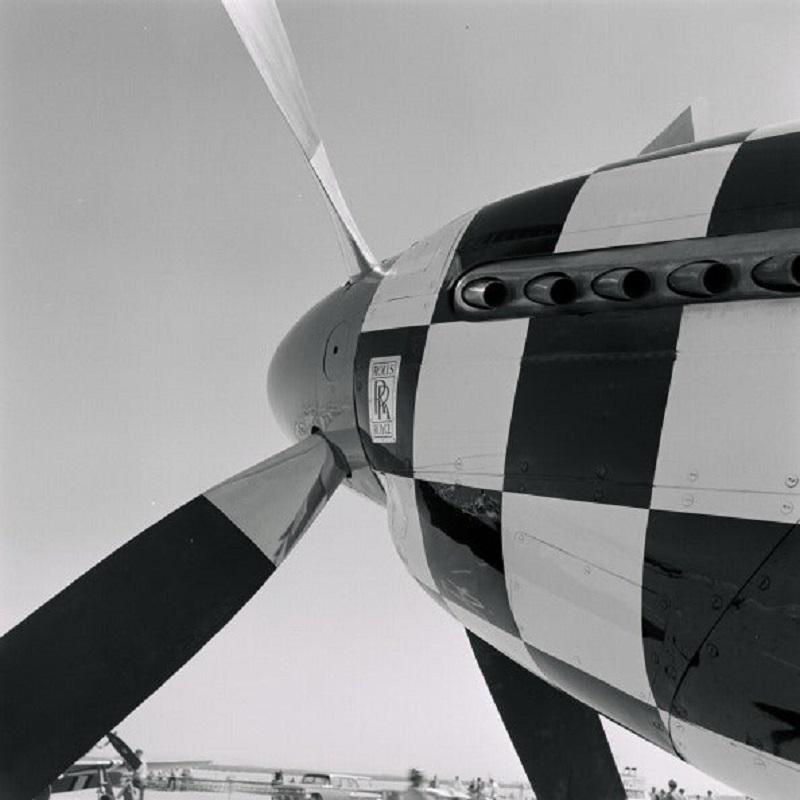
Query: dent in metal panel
465, 396
568, 600
732, 421
651, 201
407, 294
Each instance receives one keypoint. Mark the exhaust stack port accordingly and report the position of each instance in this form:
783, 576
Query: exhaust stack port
485, 293
553, 289
700, 279
622, 284
779, 273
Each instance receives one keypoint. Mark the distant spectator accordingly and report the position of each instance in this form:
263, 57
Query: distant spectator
126, 788
277, 778
414, 792
172, 783
140, 774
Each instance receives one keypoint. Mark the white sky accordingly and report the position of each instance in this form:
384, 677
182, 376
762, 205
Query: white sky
159, 233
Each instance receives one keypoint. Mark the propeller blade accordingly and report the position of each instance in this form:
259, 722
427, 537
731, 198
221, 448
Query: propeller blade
261, 29
558, 739
73, 669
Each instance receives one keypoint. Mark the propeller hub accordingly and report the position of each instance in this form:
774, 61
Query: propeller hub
295, 371
310, 379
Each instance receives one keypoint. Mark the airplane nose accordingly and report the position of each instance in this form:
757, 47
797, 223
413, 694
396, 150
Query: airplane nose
310, 378
293, 375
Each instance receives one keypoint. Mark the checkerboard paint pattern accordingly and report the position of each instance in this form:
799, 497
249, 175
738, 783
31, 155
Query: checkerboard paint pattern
542, 470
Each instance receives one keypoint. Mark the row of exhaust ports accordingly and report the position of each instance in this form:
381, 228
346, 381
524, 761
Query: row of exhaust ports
699, 280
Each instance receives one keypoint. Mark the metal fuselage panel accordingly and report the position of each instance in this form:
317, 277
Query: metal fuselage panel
610, 499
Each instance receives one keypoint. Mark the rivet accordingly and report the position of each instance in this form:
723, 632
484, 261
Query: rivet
664, 603
712, 650
716, 602
787, 507
458, 463
524, 466
791, 481
687, 500
598, 494
521, 537
693, 476
521, 488
601, 471
764, 583
587, 569
671, 673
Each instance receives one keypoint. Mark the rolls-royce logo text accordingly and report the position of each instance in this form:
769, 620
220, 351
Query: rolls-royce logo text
384, 374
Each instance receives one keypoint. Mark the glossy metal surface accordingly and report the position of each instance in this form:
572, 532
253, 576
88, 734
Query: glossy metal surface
649, 276
622, 284
701, 279
310, 378
781, 273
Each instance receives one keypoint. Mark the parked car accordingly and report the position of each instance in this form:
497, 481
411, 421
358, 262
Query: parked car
334, 786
